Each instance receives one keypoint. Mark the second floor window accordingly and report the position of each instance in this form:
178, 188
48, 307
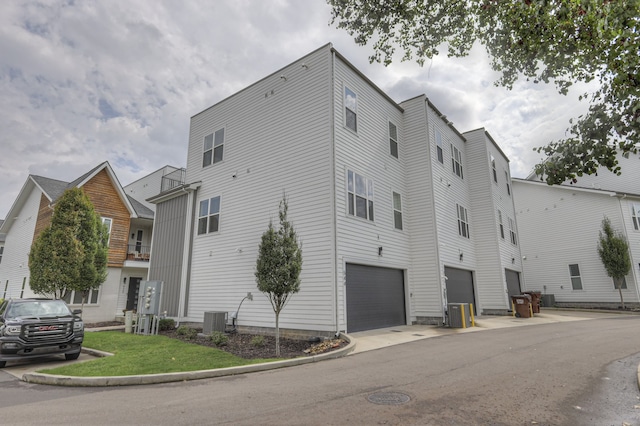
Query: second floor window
506, 176
493, 169
107, 222
456, 162
1, 252
393, 139
360, 195
350, 109
635, 216
397, 211
439, 148
500, 224
512, 232
463, 221
213, 147
209, 216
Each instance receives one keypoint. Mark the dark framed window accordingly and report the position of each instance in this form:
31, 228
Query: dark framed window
574, 273
209, 216
500, 224
493, 169
213, 148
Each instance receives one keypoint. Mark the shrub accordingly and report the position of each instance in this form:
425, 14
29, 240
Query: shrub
166, 324
258, 341
186, 331
219, 339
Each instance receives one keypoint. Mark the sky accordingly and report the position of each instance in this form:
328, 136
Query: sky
82, 82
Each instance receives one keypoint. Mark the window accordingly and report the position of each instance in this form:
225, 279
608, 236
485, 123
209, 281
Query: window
493, 169
1, 252
456, 161
463, 221
506, 177
393, 139
623, 285
360, 195
500, 224
574, 273
107, 222
350, 110
397, 211
439, 149
635, 216
209, 216
213, 146
512, 232
73, 297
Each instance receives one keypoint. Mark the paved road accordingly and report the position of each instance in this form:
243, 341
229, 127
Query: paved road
553, 374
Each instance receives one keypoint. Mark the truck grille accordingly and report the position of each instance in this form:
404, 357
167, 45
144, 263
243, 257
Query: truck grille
46, 331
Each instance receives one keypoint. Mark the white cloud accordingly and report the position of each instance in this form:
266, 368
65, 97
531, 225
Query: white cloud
84, 82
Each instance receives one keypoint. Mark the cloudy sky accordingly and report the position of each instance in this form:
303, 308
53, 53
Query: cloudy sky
82, 82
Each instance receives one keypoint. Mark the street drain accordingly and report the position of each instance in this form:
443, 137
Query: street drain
389, 398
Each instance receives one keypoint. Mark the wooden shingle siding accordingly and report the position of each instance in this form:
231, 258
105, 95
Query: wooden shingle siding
45, 213
107, 203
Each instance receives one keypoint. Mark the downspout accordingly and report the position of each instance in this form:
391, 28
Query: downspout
334, 193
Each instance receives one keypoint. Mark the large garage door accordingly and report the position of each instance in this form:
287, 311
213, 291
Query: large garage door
513, 282
375, 297
459, 286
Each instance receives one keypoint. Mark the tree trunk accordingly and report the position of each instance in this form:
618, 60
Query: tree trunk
277, 334
618, 282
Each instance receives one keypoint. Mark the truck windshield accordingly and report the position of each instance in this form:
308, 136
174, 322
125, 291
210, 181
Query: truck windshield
37, 308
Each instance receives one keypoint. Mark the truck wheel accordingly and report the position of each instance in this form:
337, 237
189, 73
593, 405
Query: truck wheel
70, 357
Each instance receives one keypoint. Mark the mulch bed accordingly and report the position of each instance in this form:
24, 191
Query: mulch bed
251, 346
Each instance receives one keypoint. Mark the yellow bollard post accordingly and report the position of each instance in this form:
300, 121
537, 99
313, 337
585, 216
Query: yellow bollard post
473, 320
513, 310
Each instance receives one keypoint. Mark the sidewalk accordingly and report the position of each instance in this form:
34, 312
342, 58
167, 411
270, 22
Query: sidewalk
359, 342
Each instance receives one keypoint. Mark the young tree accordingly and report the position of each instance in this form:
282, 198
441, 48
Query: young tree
279, 264
614, 253
563, 41
71, 254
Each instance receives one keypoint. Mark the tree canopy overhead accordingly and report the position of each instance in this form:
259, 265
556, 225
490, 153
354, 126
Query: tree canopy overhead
548, 41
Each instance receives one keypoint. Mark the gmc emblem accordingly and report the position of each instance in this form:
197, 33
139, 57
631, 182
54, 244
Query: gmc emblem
47, 327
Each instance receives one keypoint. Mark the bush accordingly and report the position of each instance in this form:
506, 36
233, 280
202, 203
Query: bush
166, 324
186, 331
258, 341
219, 339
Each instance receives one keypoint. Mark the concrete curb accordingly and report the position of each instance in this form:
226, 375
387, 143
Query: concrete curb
147, 379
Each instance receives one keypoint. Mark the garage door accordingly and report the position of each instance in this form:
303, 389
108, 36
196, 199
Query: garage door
459, 286
375, 298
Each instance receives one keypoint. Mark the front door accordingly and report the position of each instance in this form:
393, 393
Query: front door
132, 295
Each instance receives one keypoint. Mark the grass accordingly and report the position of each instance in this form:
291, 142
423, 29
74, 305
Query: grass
136, 354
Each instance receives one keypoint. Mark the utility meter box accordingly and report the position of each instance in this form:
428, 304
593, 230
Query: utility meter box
149, 302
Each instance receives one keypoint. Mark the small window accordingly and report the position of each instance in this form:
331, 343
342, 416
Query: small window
439, 149
1, 252
500, 224
635, 216
623, 286
574, 273
360, 195
350, 109
213, 147
456, 161
397, 211
463, 221
493, 169
512, 232
209, 216
506, 177
107, 222
393, 139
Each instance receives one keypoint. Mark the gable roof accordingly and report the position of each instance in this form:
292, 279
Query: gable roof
53, 189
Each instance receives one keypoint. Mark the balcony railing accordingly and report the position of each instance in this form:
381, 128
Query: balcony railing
138, 253
172, 180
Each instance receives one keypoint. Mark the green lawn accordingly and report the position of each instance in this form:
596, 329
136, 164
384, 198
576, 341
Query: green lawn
135, 354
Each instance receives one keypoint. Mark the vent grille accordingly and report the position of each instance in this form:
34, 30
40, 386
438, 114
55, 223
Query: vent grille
47, 331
